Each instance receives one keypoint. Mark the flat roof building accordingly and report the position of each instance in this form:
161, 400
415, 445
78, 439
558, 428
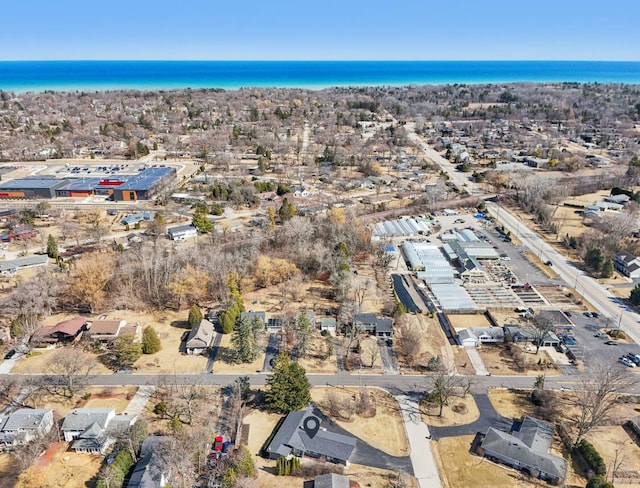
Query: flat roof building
31, 187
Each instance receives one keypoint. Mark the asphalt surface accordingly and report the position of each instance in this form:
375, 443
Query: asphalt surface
488, 418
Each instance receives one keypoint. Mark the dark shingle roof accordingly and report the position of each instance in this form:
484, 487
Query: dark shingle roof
291, 435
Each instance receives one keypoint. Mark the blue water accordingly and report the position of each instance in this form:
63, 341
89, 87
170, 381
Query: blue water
23, 76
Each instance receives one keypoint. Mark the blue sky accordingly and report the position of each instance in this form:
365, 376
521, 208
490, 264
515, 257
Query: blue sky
326, 29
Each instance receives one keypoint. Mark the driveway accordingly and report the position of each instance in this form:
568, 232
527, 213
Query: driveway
388, 358
488, 418
366, 454
213, 353
139, 400
424, 465
272, 351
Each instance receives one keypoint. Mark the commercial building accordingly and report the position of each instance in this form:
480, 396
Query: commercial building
141, 186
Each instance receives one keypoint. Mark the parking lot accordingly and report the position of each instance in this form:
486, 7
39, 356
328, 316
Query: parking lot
594, 348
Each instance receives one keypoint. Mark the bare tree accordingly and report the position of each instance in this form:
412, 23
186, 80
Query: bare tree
540, 327
445, 384
596, 397
68, 371
408, 338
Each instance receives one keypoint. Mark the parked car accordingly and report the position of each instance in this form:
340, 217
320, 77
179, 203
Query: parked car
389, 342
633, 357
601, 335
568, 313
549, 263
10, 354
611, 343
569, 340
458, 221
627, 362
595, 315
587, 314
218, 443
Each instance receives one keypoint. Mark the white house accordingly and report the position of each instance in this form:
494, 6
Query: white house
474, 336
24, 425
627, 264
182, 232
93, 430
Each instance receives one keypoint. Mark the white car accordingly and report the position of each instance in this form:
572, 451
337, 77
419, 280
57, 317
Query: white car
627, 362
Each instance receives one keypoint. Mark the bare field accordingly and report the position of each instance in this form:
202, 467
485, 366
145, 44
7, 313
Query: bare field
464, 321
63, 468
498, 360
384, 431
316, 362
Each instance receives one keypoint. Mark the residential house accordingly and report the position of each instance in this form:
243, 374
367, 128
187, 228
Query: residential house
93, 430
329, 480
10, 267
110, 330
24, 425
182, 232
200, 337
529, 334
627, 264
275, 323
250, 315
151, 470
65, 331
369, 322
474, 336
525, 448
620, 198
292, 439
328, 324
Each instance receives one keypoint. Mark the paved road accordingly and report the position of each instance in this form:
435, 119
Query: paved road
574, 277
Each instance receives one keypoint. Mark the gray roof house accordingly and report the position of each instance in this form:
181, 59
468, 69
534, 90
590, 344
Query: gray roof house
369, 322
526, 448
151, 470
329, 480
200, 337
627, 264
92, 430
292, 439
529, 334
262, 316
24, 425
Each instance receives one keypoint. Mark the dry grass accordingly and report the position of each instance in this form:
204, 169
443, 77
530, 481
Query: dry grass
511, 404
459, 468
535, 260
170, 326
66, 469
316, 362
39, 361
498, 360
464, 321
370, 356
611, 439
384, 431
9, 471
467, 414
224, 361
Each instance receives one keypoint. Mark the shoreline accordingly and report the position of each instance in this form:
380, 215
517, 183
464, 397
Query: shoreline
70, 76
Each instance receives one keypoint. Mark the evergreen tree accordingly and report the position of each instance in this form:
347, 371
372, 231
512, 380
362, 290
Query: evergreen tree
52, 247
150, 341
634, 297
287, 210
607, 268
201, 220
126, 351
246, 339
594, 258
288, 386
195, 316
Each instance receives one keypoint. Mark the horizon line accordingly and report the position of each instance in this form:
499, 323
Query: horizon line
325, 60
